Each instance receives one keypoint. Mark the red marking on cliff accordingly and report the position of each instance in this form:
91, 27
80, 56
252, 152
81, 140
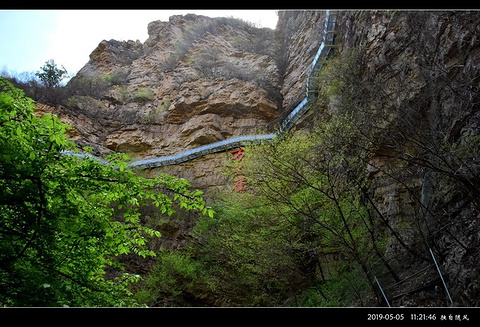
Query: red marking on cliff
239, 180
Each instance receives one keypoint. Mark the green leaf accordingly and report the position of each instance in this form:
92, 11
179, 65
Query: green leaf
211, 213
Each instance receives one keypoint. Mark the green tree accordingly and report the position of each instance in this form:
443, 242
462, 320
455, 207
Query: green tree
66, 219
247, 254
249, 251
51, 75
315, 178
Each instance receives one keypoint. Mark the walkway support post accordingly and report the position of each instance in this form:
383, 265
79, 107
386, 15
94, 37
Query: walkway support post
383, 293
441, 277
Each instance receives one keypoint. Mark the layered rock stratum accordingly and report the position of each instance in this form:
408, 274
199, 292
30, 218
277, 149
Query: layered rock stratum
194, 81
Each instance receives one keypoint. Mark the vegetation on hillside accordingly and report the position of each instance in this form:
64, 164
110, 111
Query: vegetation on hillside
65, 221
311, 229
319, 219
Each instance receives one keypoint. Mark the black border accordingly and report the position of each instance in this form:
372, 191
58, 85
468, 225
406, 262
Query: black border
199, 5
224, 316
241, 316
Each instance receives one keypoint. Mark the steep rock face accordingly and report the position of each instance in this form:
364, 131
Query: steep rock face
427, 66
194, 81
301, 34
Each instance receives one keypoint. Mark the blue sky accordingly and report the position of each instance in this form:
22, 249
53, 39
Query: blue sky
29, 38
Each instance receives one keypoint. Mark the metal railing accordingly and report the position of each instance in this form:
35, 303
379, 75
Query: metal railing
322, 53
201, 151
293, 117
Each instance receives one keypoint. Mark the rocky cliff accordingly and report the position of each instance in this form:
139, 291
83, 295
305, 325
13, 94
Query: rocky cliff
300, 33
198, 80
421, 82
194, 81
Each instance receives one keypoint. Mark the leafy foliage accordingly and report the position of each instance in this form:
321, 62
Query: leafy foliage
174, 278
50, 74
300, 223
313, 217
315, 182
249, 252
65, 220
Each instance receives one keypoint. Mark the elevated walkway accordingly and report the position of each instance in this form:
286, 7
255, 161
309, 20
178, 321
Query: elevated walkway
282, 127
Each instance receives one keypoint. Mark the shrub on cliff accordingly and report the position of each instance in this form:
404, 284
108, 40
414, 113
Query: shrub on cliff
144, 94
